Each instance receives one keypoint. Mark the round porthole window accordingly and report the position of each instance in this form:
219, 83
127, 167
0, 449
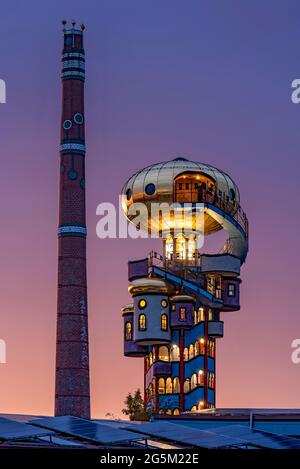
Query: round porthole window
78, 118
67, 124
142, 304
72, 174
164, 303
150, 189
128, 194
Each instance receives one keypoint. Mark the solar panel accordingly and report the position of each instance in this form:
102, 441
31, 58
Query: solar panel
258, 437
12, 430
181, 434
88, 429
219, 437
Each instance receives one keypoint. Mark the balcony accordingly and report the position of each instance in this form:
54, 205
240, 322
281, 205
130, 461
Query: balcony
216, 329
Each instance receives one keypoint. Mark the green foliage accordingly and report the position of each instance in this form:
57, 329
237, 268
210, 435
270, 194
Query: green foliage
135, 407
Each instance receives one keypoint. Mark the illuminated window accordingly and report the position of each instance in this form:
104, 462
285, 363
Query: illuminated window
161, 411
201, 316
163, 353
201, 405
164, 303
187, 386
186, 354
231, 289
150, 358
142, 304
195, 317
176, 412
168, 412
150, 389
194, 408
142, 322
128, 331
176, 385
169, 388
197, 348
161, 386
191, 351
154, 353
182, 314
202, 346
164, 322
210, 315
175, 353
169, 247
180, 247
194, 381
192, 248
201, 378
211, 348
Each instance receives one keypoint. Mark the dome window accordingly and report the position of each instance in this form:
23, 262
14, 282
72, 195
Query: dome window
232, 194
150, 189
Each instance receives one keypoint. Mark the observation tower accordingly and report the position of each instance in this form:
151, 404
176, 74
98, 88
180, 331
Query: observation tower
180, 297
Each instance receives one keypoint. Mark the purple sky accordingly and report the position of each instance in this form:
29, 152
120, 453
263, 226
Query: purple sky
208, 80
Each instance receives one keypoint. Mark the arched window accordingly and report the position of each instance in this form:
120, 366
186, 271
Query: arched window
194, 408
150, 358
176, 386
191, 351
142, 322
163, 353
197, 348
195, 317
168, 412
201, 405
169, 388
211, 348
169, 247
176, 412
182, 314
194, 381
186, 354
180, 247
128, 331
201, 316
154, 354
161, 411
150, 389
187, 386
175, 353
161, 386
164, 322
202, 346
192, 247
201, 378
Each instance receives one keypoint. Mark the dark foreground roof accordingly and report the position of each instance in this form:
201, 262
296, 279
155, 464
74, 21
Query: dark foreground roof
220, 428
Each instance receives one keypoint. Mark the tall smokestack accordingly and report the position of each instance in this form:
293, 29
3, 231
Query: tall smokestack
72, 387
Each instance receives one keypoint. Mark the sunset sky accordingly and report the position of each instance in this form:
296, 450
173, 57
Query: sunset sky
206, 80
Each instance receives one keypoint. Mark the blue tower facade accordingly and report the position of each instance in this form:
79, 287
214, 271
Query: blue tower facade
178, 297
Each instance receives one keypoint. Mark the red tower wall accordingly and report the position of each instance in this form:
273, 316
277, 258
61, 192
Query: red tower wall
72, 388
